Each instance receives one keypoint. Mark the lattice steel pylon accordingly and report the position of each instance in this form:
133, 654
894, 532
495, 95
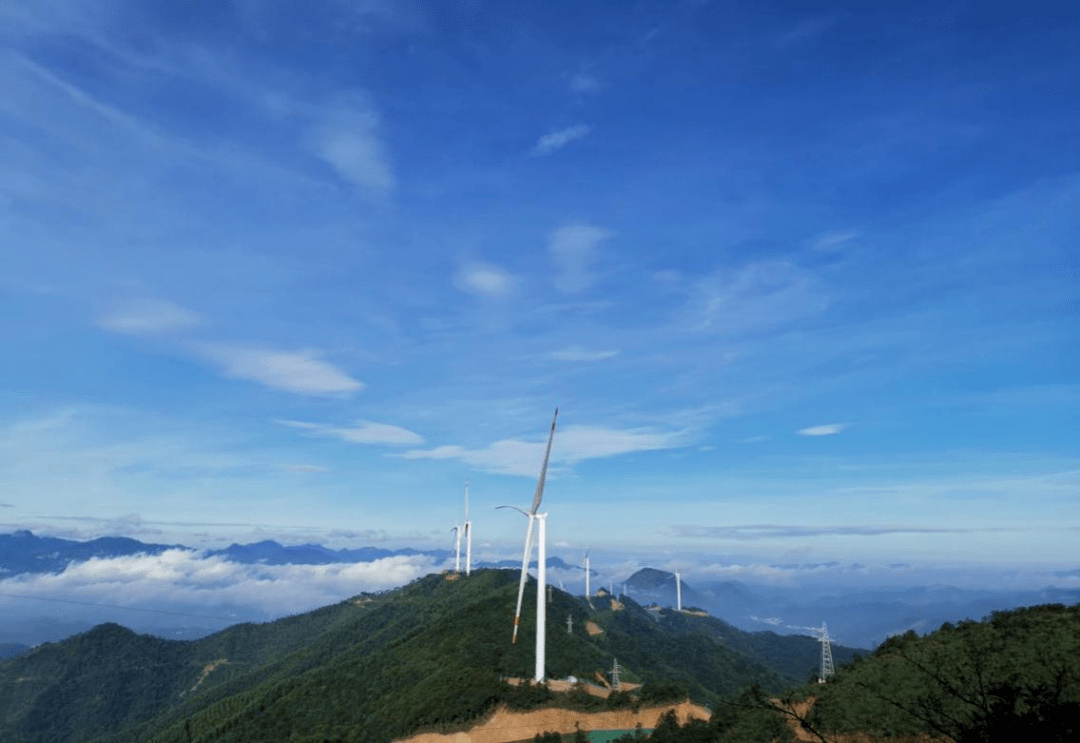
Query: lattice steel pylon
826, 654
615, 675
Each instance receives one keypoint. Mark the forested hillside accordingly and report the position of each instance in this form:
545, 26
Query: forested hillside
1012, 677
428, 656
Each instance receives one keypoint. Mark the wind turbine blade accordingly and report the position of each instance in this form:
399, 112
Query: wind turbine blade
543, 470
524, 575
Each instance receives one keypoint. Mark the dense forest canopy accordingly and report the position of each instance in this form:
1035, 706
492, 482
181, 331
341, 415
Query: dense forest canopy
432, 655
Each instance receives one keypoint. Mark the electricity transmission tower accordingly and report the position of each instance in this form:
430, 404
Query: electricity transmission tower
826, 654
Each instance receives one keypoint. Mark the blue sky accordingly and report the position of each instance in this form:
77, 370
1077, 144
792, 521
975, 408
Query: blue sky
802, 281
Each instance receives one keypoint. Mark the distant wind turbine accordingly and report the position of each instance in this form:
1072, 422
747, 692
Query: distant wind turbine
540, 521
457, 548
678, 591
467, 526
463, 531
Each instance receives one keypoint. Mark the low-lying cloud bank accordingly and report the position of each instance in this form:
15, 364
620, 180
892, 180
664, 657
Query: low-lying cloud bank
180, 586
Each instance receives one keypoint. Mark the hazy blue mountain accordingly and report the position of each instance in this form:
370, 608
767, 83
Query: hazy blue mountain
552, 562
650, 585
25, 552
864, 618
272, 553
36, 629
11, 649
859, 619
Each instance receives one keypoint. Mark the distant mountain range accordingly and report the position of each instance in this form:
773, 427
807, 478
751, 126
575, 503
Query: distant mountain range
25, 552
860, 618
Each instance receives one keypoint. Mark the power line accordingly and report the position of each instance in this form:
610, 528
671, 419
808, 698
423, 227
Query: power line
115, 606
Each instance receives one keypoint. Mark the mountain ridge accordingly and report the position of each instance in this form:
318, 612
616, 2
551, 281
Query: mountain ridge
401, 650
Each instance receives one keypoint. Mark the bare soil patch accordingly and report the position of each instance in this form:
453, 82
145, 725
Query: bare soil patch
504, 726
206, 672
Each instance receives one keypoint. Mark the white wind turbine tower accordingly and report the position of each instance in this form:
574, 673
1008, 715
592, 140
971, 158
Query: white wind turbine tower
540, 520
678, 591
587, 592
467, 526
457, 548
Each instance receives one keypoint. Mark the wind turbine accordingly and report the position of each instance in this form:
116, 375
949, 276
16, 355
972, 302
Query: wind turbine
678, 591
467, 526
587, 571
540, 521
457, 548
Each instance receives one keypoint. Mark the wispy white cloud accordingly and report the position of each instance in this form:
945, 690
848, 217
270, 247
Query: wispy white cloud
575, 444
348, 139
557, 140
770, 531
582, 83
827, 429
302, 372
575, 353
365, 432
485, 280
757, 296
754, 439
573, 249
149, 317
833, 241
303, 468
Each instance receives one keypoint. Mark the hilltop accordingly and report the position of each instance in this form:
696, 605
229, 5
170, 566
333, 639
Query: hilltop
1015, 676
428, 656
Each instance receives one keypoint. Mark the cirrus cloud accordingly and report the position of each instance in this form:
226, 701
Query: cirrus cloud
575, 444
573, 249
365, 432
485, 280
302, 372
348, 140
553, 141
828, 429
574, 353
148, 317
